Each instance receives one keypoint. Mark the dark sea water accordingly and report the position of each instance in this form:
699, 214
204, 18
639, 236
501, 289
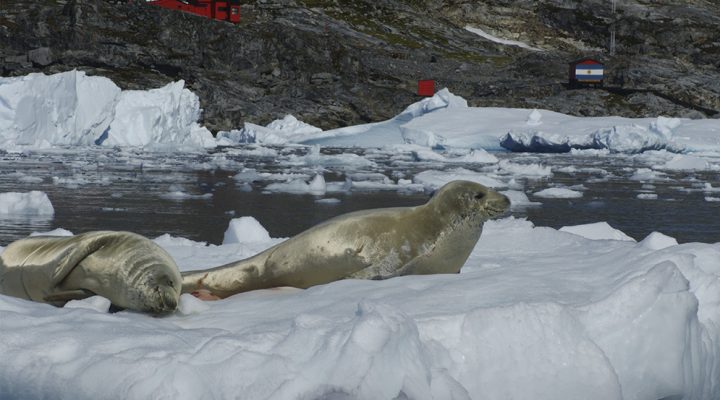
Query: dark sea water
125, 190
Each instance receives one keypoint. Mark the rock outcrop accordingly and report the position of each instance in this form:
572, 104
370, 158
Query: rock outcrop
337, 62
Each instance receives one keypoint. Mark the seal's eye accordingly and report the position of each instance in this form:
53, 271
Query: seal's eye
480, 195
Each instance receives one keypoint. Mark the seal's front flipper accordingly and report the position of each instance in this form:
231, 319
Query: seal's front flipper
75, 249
60, 298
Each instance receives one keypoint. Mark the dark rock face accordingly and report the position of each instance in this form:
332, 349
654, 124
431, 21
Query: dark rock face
336, 62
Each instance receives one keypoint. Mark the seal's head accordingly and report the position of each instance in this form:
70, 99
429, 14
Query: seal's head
469, 200
160, 292
144, 276
157, 284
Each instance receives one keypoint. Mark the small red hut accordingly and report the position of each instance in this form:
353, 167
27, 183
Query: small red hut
586, 71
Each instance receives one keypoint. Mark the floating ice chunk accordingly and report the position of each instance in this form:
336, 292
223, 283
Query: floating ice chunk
54, 232
597, 231
291, 125
658, 241
248, 175
683, 162
68, 108
628, 139
646, 174
315, 158
28, 204
647, 196
708, 188
433, 179
329, 200
525, 170
97, 303
316, 186
711, 199
519, 199
245, 230
476, 156
558, 193
190, 304
176, 193
158, 117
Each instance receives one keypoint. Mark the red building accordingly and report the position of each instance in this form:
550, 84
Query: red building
224, 10
426, 87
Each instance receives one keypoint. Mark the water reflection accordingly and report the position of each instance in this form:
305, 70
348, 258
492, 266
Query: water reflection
119, 189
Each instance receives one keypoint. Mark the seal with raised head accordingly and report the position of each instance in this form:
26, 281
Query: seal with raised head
436, 237
128, 269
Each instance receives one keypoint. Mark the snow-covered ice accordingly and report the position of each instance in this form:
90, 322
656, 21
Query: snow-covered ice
536, 313
71, 108
245, 230
558, 193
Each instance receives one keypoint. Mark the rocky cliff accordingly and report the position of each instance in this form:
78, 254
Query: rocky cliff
337, 62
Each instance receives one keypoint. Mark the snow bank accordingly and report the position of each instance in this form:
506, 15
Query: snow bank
445, 120
69, 108
278, 132
73, 109
26, 204
597, 231
627, 139
158, 117
536, 313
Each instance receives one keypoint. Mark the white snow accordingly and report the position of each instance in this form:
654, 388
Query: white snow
95, 303
597, 231
245, 230
316, 186
496, 39
519, 199
158, 117
71, 108
536, 313
26, 204
558, 193
280, 131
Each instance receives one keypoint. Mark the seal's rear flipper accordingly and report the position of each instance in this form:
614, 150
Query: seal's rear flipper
60, 298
